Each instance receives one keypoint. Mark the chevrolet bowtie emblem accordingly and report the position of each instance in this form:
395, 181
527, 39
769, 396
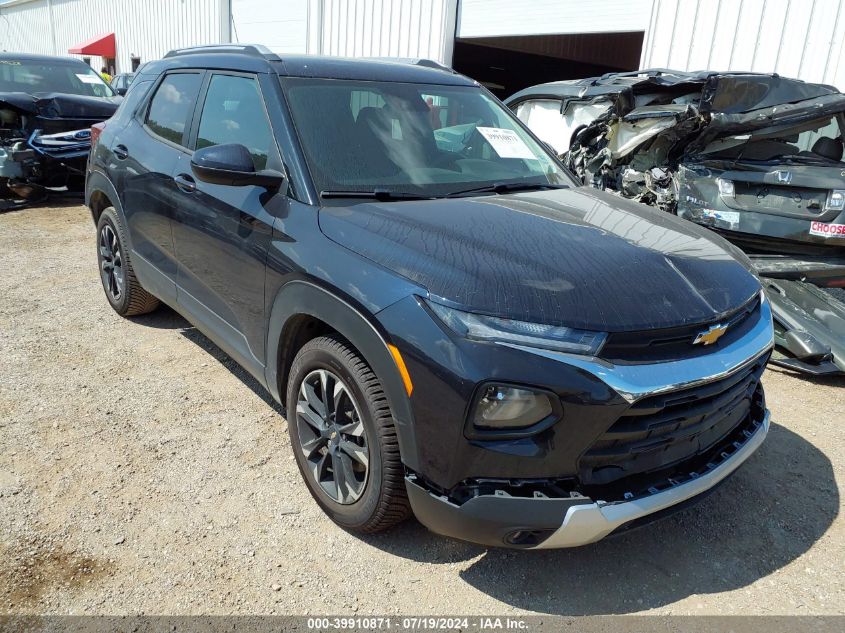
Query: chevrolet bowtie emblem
710, 335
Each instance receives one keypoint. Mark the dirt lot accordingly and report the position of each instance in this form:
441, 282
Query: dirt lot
141, 471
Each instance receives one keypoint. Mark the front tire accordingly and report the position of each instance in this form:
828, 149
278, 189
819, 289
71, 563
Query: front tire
124, 293
343, 437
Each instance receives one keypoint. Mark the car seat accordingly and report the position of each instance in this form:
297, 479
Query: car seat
828, 147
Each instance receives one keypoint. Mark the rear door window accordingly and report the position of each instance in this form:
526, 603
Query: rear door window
234, 113
172, 105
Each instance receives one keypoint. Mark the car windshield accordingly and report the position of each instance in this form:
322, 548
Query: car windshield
43, 77
432, 140
817, 140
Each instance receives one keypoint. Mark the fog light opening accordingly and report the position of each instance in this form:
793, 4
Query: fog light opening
527, 538
507, 407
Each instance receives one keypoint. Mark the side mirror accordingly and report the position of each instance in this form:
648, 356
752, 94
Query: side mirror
120, 91
231, 164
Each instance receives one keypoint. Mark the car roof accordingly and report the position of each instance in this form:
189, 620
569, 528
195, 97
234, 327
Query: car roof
373, 69
254, 58
49, 59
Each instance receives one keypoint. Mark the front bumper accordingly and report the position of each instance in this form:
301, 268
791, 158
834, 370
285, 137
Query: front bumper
541, 522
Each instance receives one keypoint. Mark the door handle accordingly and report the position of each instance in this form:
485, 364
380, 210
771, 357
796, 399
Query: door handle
121, 152
186, 183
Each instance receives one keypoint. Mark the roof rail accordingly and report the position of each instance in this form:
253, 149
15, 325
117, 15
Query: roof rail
252, 50
416, 61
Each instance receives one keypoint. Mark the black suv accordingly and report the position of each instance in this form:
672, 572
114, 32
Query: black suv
454, 327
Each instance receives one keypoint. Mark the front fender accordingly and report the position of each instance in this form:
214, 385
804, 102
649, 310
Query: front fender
303, 297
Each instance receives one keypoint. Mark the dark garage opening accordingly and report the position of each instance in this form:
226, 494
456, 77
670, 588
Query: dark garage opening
508, 64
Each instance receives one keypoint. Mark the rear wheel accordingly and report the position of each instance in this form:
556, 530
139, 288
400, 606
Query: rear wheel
343, 437
122, 289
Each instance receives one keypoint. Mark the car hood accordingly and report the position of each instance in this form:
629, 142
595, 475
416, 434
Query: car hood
578, 257
60, 105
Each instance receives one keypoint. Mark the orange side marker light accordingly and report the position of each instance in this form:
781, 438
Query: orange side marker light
403, 371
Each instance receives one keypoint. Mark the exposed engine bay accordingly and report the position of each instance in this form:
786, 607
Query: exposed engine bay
755, 157
45, 134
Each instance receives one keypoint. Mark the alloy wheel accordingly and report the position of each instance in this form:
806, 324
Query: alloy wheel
111, 263
332, 436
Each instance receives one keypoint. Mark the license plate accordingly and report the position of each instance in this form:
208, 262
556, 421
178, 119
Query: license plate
824, 229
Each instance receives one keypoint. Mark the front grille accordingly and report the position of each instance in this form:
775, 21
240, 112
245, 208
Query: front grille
653, 346
661, 432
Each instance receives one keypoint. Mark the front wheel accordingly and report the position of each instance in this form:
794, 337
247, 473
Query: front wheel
343, 437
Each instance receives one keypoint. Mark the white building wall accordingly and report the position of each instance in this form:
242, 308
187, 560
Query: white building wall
501, 18
395, 28
142, 28
349, 28
26, 27
280, 26
795, 38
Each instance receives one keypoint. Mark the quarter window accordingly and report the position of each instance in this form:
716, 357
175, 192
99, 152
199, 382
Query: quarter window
234, 113
172, 104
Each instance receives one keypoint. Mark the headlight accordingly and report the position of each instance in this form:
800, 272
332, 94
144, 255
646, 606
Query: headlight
508, 407
726, 187
836, 200
488, 328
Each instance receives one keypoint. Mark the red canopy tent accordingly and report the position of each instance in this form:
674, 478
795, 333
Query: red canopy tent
102, 45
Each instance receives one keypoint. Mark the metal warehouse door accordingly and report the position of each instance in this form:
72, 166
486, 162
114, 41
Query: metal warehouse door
508, 46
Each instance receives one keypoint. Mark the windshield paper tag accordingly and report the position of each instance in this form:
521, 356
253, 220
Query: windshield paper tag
824, 229
87, 79
506, 143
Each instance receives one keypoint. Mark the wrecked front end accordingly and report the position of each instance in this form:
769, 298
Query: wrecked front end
790, 221
44, 144
757, 158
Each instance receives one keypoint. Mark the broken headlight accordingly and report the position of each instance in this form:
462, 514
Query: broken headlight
488, 328
726, 187
835, 200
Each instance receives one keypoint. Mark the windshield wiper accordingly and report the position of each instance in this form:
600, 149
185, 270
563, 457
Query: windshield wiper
505, 187
376, 194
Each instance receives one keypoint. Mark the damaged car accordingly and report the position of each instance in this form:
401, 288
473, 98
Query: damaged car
47, 107
755, 157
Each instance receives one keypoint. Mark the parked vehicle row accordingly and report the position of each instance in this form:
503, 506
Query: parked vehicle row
454, 327
120, 83
755, 157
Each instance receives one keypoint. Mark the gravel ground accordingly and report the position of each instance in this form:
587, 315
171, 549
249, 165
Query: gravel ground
141, 471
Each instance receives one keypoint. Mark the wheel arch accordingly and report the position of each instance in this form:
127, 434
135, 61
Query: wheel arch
101, 194
302, 311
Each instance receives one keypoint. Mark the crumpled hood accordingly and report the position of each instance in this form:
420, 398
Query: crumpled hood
61, 105
577, 257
